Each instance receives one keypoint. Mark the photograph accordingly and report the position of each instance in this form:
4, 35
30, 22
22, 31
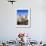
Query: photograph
23, 17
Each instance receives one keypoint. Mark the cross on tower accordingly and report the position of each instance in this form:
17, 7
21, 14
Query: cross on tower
12, 1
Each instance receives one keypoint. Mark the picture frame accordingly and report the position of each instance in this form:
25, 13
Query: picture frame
23, 17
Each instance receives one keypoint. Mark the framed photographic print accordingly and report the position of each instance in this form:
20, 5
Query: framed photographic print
23, 17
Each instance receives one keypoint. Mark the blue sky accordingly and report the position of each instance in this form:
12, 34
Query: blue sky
22, 12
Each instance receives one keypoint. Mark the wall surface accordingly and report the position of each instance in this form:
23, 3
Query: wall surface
8, 30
